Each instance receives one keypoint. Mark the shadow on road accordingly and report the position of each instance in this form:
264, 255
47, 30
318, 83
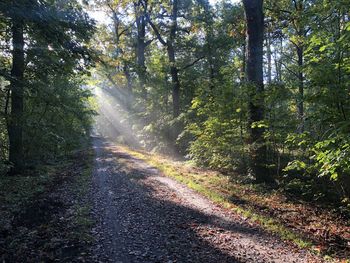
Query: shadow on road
139, 222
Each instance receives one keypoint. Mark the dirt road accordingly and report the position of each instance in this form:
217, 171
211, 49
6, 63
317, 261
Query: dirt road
146, 217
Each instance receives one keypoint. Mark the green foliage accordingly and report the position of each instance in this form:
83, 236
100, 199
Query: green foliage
332, 158
57, 113
218, 133
59, 119
217, 144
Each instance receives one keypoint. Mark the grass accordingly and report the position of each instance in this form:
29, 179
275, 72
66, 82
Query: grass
219, 188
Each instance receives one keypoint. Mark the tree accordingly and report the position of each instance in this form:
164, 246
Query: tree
141, 9
254, 77
169, 43
15, 129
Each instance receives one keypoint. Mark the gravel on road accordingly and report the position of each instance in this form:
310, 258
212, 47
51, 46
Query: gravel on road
144, 216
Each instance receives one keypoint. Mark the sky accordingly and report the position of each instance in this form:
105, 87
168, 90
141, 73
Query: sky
102, 18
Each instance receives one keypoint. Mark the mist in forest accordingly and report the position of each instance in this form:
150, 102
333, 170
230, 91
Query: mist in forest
113, 119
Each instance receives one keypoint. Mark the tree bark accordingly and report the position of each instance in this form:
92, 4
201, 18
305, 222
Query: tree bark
15, 127
173, 69
244, 62
301, 89
141, 22
269, 58
175, 81
299, 46
254, 77
209, 38
278, 64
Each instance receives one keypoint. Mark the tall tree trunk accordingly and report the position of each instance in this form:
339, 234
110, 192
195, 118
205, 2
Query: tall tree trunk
209, 38
140, 11
299, 45
171, 53
169, 44
175, 81
254, 77
269, 57
244, 62
300, 103
339, 54
15, 129
277, 60
210, 55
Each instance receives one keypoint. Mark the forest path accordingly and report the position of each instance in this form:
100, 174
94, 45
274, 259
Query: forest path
143, 216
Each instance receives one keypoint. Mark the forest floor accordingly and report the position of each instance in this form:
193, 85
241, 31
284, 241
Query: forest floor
144, 216
45, 213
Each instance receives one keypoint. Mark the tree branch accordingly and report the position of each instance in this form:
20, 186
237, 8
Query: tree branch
288, 69
123, 31
155, 29
147, 43
193, 63
279, 10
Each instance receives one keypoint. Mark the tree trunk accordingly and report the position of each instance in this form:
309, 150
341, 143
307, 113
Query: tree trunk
129, 93
254, 77
301, 89
169, 44
269, 60
299, 45
277, 61
15, 129
209, 38
173, 69
140, 11
244, 62
212, 72
175, 81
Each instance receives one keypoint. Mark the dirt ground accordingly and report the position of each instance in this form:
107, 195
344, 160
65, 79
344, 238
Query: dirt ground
143, 216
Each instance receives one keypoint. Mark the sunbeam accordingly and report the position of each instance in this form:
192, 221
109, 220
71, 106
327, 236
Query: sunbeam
112, 119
